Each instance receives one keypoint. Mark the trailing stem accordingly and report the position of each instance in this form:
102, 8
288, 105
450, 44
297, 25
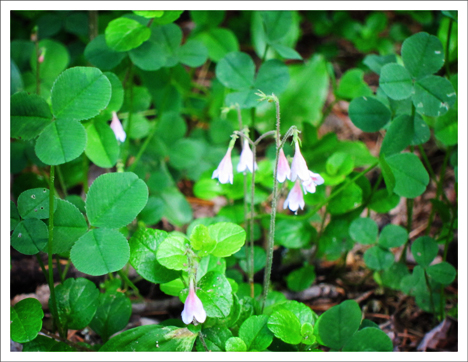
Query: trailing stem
409, 221
252, 209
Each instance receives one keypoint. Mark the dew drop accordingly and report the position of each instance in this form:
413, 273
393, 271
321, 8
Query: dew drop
33, 196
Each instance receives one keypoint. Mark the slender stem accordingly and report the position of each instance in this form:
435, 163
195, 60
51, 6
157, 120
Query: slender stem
143, 148
129, 282
93, 24
62, 181
85, 174
426, 161
447, 49
49, 249
265, 53
409, 222
202, 340
328, 111
430, 292
266, 134
252, 211
70, 343
59, 268
44, 271
65, 271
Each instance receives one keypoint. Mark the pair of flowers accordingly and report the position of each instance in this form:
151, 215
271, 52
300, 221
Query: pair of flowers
298, 172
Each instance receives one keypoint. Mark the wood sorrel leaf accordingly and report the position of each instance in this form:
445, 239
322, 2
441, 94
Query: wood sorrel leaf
434, 95
25, 320
443, 273
272, 77
76, 302
376, 62
100, 55
364, 230
193, 53
112, 315
29, 115
115, 199
285, 326
102, 147
337, 325
378, 259
382, 202
352, 85
144, 246
393, 276
369, 339
229, 238
399, 135
219, 42
368, 114
14, 216
396, 81
108, 247
60, 142
124, 34
80, 93
172, 252
34, 204
411, 178
392, 236
236, 71
424, 250
255, 333
148, 56
30, 236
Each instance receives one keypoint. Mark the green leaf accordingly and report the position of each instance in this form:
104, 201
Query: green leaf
424, 250
149, 14
378, 259
369, 340
109, 248
45, 344
422, 134
80, 93
339, 164
174, 287
148, 56
285, 326
395, 81
245, 99
30, 236
382, 202
338, 324
307, 331
219, 42
259, 259
56, 59
77, 301
301, 279
100, 55
34, 204
364, 230
102, 147
276, 23
422, 54
446, 128
368, 114
153, 211
60, 142
350, 198
255, 333
286, 52
207, 189
152, 338
434, 95
112, 315
215, 339
235, 344
388, 175
29, 115
294, 234
200, 240
77, 201
117, 96
172, 252
69, 226
168, 38
211, 263
144, 246
411, 178
215, 293
352, 85
392, 236
14, 216
193, 53
177, 210
169, 16
186, 153
124, 34
399, 135
443, 273
236, 70
376, 62
393, 276
229, 238
115, 199
25, 320
272, 77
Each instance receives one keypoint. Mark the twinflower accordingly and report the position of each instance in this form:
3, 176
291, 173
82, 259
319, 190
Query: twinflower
246, 158
193, 308
299, 166
284, 172
295, 198
314, 180
224, 171
117, 128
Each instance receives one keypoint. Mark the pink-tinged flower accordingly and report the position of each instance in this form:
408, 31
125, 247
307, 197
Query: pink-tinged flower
41, 58
246, 158
193, 308
284, 172
299, 166
295, 198
314, 180
224, 171
117, 128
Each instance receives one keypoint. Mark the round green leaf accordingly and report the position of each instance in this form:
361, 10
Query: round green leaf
350, 198
168, 38
172, 252
56, 59
25, 320
185, 153
395, 81
100, 55
153, 211
255, 333
193, 53
393, 236
259, 259
339, 163
29, 114
422, 54
30, 236
378, 259
117, 96
200, 240
60, 142
364, 230
112, 315
144, 246
215, 293
108, 247
376, 62
446, 128
399, 135
434, 95
272, 77
393, 276
69, 226
219, 42
236, 70
229, 238
235, 344
148, 56
34, 204
285, 326
207, 189
124, 34
411, 178
14, 216
80, 93
294, 234
352, 85
276, 23
76, 302
368, 114
215, 339
301, 278
338, 324
443, 273
424, 250
245, 99
102, 147
382, 202
369, 340
177, 210
115, 199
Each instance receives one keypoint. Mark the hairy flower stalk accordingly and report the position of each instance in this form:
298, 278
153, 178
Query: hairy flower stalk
117, 128
193, 307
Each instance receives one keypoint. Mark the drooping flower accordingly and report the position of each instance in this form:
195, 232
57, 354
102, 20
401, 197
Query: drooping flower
246, 158
224, 171
193, 308
299, 166
295, 198
284, 172
310, 184
117, 128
